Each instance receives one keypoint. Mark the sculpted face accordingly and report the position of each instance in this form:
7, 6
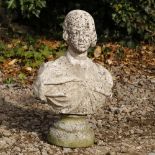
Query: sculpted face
79, 38
79, 30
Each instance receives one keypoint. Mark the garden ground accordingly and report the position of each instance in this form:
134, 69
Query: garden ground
124, 126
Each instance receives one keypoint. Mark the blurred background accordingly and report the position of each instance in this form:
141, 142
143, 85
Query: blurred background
31, 33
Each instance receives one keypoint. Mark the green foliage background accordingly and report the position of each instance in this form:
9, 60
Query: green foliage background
132, 20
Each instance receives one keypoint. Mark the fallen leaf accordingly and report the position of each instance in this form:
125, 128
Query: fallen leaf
10, 46
25, 47
50, 57
28, 69
12, 62
109, 61
97, 52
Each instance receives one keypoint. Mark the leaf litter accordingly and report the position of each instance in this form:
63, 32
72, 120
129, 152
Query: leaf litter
141, 59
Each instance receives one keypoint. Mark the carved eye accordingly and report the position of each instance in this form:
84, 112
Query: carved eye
75, 33
87, 26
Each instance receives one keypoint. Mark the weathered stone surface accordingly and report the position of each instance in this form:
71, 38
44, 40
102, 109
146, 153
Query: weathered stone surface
71, 131
73, 84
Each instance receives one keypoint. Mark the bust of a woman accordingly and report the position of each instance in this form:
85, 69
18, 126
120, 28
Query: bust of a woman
73, 84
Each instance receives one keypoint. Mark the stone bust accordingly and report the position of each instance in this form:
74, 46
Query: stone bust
73, 84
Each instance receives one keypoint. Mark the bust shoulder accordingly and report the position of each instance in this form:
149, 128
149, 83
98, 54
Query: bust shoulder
50, 65
104, 74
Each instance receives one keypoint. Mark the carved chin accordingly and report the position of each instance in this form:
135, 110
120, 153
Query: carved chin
80, 48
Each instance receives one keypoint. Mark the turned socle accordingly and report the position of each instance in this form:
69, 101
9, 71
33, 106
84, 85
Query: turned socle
71, 131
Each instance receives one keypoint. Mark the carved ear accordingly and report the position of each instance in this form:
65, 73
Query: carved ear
65, 35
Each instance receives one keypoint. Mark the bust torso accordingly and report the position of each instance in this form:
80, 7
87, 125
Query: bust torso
73, 84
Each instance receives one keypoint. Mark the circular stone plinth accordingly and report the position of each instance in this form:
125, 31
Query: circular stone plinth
71, 131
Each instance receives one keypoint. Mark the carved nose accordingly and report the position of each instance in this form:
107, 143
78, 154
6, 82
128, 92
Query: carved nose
81, 37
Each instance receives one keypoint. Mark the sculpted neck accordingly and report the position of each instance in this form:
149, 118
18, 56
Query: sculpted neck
76, 55
76, 58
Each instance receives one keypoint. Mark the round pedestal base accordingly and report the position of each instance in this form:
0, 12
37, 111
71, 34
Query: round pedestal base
71, 131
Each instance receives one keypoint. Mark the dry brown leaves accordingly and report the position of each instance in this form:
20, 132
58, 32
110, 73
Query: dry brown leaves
50, 43
11, 68
12, 71
141, 59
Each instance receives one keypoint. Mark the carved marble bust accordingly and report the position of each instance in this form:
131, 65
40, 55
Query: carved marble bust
73, 84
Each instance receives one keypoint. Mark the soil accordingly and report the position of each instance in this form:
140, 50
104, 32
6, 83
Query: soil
124, 126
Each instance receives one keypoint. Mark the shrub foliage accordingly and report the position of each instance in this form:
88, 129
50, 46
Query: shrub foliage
115, 19
27, 7
136, 17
